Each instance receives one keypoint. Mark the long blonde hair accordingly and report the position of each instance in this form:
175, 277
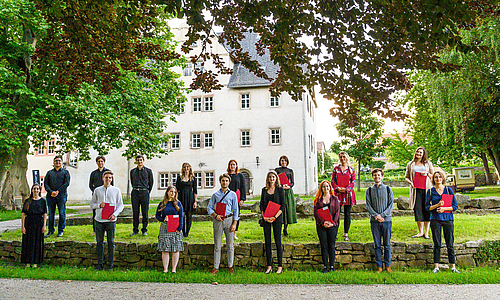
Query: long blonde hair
346, 156
191, 174
268, 184
174, 200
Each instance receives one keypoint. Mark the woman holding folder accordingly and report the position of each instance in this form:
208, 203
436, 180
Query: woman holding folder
441, 202
169, 213
272, 205
343, 179
327, 214
285, 175
418, 175
237, 185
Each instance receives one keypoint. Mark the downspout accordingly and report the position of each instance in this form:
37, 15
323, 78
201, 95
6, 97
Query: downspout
305, 145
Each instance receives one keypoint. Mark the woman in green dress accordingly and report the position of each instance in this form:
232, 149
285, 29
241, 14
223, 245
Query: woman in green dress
290, 214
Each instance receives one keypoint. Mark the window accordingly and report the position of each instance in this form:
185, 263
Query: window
275, 136
163, 181
197, 104
40, 150
274, 101
164, 145
175, 141
174, 177
209, 179
199, 183
208, 137
245, 138
208, 103
195, 140
51, 149
199, 66
245, 101
188, 70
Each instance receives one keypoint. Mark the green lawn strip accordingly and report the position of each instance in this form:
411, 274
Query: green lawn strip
479, 275
467, 228
6, 215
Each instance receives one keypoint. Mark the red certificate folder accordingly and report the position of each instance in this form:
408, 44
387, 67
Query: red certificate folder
238, 194
343, 180
448, 199
172, 223
107, 211
271, 209
419, 181
324, 214
220, 209
283, 179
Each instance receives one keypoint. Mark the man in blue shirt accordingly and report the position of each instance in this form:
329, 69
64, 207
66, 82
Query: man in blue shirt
224, 223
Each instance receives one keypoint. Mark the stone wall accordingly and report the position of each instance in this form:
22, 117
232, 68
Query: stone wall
248, 255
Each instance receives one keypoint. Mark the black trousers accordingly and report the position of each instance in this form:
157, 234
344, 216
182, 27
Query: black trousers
109, 228
327, 238
347, 218
188, 220
276, 226
140, 200
448, 229
421, 214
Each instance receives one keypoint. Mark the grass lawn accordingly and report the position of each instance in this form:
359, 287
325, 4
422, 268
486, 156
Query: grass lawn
480, 275
467, 228
6, 215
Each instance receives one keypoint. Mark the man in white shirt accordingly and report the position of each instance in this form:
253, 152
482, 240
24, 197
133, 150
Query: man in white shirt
110, 195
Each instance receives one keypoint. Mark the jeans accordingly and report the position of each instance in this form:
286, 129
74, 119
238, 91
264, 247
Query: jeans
276, 225
109, 228
60, 202
219, 229
379, 231
327, 238
448, 229
140, 200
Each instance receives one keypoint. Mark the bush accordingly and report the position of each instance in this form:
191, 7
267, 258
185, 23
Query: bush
489, 251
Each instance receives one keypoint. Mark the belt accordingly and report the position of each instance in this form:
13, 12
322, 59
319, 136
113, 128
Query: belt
140, 189
228, 216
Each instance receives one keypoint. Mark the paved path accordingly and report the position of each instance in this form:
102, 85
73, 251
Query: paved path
45, 289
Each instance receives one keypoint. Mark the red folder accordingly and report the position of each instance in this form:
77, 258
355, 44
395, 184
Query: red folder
343, 180
271, 209
220, 209
419, 182
238, 194
283, 179
172, 223
107, 211
324, 213
448, 199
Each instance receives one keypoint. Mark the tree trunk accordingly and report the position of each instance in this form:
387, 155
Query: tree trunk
495, 157
359, 176
483, 157
13, 181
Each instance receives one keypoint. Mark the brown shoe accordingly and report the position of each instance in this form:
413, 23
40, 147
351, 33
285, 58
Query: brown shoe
388, 269
214, 271
231, 270
379, 270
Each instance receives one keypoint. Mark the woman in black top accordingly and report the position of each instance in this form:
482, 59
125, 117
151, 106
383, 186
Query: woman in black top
187, 190
290, 214
34, 221
237, 185
275, 193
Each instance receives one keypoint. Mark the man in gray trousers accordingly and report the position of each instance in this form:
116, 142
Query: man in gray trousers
224, 222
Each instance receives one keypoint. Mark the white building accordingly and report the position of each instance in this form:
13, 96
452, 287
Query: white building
241, 121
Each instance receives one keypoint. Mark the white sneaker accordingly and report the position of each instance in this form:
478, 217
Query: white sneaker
454, 270
436, 270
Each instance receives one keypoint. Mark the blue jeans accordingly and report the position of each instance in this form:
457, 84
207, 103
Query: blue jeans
379, 231
61, 207
109, 228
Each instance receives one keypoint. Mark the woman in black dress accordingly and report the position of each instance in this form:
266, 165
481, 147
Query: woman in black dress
34, 221
290, 214
237, 185
187, 190
275, 193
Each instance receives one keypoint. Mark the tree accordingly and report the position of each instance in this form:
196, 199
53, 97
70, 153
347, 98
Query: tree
325, 163
94, 74
360, 49
362, 141
399, 151
459, 112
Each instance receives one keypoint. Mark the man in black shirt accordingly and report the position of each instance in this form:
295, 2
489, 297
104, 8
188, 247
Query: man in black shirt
141, 179
96, 180
56, 183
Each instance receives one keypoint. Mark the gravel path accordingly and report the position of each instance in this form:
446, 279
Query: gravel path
45, 289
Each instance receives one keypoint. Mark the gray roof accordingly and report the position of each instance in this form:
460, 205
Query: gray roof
244, 78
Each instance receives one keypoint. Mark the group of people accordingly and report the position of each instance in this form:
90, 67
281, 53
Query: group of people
277, 206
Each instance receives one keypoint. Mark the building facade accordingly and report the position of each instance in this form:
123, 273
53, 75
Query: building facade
241, 121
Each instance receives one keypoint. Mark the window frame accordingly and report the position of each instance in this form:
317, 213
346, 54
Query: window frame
271, 135
249, 137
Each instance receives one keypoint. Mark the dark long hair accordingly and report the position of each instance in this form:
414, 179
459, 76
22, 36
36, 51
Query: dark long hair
27, 202
175, 202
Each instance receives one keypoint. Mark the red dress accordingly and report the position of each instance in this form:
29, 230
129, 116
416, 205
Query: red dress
347, 198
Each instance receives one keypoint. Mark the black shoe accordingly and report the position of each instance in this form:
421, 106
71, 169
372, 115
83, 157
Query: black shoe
49, 234
98, 267
325, 270
285, 233
134, 233
111, 268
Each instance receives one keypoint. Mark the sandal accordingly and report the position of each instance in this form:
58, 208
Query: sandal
346, 238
